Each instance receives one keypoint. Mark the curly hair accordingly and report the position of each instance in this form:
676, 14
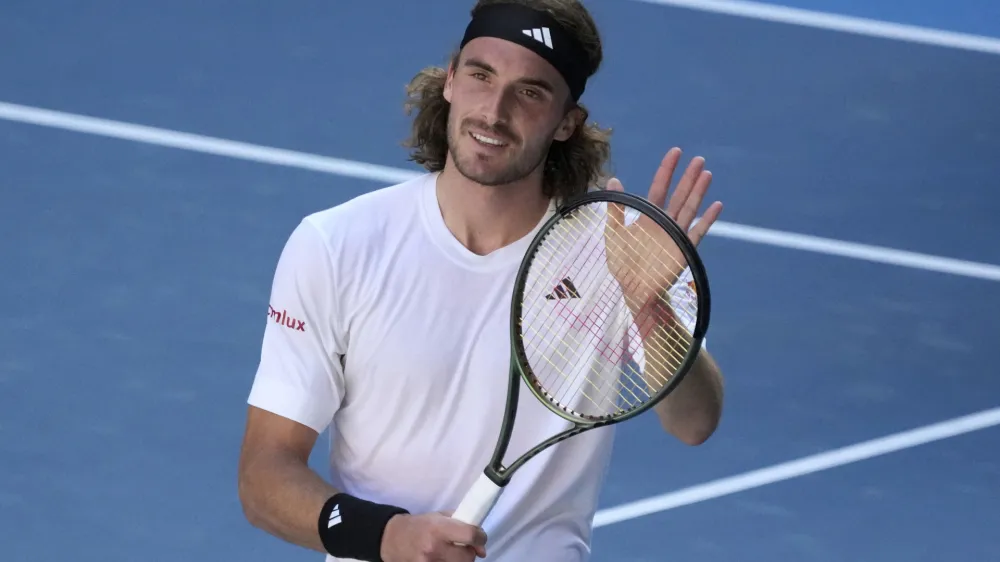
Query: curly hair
572, 166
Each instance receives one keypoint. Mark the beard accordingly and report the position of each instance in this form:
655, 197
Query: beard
501, 167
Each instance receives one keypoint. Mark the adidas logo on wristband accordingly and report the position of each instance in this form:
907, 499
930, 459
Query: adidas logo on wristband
350, 527
334, 517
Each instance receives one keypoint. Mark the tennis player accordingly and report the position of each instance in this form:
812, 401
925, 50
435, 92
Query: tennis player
388, 320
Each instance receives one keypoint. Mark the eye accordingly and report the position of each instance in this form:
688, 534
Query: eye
534, 94
479, 75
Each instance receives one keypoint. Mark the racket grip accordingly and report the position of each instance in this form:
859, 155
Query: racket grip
478, 501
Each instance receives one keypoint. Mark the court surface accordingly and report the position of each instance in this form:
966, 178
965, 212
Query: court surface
135, 275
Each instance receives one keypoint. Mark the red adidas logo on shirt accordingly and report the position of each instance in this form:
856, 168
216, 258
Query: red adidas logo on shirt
285, 320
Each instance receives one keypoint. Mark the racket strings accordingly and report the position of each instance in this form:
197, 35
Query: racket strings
635, 280
664, 344
559, 392
666, 353
671, 349
562, 312
689, 306
605, 300
592, 238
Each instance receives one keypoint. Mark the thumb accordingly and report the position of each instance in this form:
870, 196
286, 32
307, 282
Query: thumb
616, 212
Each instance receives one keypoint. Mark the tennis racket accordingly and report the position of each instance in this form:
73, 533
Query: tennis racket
598, 323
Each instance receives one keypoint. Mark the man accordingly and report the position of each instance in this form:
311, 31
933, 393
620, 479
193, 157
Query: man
388, 319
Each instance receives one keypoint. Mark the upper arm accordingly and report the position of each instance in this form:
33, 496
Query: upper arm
300, 376
270, 434
271, 444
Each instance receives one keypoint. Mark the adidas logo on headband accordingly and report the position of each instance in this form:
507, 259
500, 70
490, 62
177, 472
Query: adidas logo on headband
540, 34
535, 30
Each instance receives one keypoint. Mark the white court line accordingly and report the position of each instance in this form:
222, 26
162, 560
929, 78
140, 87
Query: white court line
879, 254
835, 22
385, 174
800, 467
201, 143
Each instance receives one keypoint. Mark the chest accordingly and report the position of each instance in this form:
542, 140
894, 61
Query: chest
432, 338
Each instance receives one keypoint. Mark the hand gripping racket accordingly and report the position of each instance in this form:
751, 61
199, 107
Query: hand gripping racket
598, 323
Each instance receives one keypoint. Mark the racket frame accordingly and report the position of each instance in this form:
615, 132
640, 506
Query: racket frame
520, 369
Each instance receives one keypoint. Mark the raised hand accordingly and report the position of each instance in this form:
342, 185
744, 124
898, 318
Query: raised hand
650, 262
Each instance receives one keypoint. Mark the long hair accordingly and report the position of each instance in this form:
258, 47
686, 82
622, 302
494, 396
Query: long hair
571, 167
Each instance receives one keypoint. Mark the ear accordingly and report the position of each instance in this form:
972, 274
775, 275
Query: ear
569, 123
447, 82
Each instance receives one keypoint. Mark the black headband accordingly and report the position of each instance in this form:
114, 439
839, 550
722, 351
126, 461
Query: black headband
535, 30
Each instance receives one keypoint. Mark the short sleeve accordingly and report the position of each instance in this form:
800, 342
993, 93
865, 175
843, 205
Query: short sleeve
684, 300
300, 374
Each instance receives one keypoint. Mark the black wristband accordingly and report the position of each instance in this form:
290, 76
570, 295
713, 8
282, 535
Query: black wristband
351, 527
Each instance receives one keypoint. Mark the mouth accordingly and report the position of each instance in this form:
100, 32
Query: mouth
487, 141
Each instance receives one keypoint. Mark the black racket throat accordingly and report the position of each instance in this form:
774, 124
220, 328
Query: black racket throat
520, 367
495, 470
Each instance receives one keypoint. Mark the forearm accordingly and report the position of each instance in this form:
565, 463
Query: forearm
283, 496
693, 410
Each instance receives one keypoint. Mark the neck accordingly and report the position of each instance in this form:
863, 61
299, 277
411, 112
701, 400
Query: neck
487, 218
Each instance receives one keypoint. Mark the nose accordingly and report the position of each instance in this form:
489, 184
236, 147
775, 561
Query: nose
496, 107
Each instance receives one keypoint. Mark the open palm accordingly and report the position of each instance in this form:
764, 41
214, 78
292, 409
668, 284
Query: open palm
642, 257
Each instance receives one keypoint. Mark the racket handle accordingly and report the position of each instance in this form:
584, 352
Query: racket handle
478, 501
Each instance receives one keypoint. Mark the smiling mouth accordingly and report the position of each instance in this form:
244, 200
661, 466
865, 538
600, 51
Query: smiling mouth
487, 141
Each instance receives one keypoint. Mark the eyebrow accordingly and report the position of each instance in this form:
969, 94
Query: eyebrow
543, 84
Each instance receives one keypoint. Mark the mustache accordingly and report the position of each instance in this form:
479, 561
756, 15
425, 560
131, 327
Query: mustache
498, 130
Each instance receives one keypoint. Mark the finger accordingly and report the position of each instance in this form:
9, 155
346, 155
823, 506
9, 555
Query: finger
452, 553
471, 543
466, 554
699, 230
464, 534
689, 210
480, 538
461, 554
663, 177
685, 186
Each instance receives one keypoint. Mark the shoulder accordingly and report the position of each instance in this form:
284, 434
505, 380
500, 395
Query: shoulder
370, 213
338, 246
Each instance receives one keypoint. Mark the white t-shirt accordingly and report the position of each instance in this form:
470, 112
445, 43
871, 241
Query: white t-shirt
382, 326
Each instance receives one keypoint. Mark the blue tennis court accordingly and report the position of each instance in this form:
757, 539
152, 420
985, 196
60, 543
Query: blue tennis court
136, 275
